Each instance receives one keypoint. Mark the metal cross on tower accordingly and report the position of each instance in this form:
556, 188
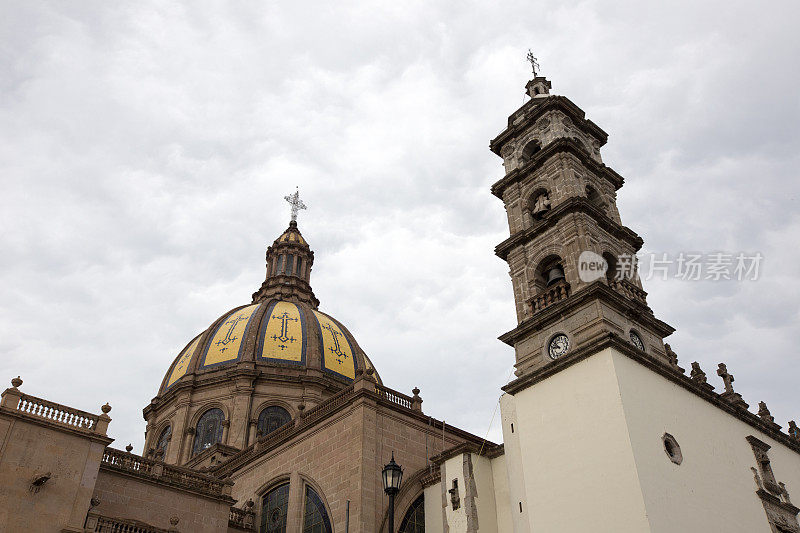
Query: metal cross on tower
534, 62
296, 203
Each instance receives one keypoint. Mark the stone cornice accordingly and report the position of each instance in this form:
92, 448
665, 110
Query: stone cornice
535, 108
577, 204
598, 290
356, 394
560, 146
486, 449
225, 376
612, 340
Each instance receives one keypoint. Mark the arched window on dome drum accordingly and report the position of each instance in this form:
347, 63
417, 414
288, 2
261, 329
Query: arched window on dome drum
271, 419
279, 268
297, 268
163, 442
274, 508
209, 430
289, 265
316, 518
414, 521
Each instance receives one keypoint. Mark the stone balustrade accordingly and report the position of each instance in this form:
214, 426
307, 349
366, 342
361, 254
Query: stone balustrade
549, 295
242, 519
53, 413
393, 396
626, 288
172, 475
102, 524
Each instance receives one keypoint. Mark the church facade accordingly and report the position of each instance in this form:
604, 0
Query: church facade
273, 419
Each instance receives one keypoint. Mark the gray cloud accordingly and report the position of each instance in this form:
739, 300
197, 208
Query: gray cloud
145, 149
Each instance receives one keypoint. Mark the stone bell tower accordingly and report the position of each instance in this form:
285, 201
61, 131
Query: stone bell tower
572, 261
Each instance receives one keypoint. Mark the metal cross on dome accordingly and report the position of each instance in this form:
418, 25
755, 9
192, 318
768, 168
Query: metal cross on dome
296, 203
534, 62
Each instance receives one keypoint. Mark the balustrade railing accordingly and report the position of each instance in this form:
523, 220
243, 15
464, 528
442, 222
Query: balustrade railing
549, 296
393, 396
628, 289
242, 519
57, 414
127, 461
173, 475
102, 524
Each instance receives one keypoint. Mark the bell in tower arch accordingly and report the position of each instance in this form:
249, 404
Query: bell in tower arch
555, 275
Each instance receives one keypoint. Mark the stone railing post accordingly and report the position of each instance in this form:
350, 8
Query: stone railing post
416, 400
363, 382
103, 420
12, 396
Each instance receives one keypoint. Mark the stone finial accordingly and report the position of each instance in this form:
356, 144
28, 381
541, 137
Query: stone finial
174, 520
16, 382
697, 373
416, 400
301, 409
673, 357
370, 372
699, 377
731, 396
129, 448
784, 493
794, 431
106, 409
764, 413
250, 503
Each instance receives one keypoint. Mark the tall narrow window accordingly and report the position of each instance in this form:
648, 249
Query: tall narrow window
271, 419
274, 508
316, 518
297, 268
289, 265
163, 442
279, 267
209, 430
414, 521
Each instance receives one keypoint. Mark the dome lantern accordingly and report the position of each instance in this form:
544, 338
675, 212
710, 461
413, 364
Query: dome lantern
289, 261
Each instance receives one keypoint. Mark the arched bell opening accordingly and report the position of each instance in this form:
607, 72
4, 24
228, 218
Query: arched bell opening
530, 150
539, 203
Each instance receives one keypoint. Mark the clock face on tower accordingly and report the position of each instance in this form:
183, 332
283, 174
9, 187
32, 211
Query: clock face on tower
636, 340
559, 345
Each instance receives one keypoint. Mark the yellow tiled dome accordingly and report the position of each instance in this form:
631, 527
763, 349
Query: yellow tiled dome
275, 336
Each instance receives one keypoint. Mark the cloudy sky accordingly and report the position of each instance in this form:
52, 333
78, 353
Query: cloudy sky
146, 147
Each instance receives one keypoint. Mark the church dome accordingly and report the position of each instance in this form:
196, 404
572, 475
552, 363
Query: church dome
273, 336
281, 334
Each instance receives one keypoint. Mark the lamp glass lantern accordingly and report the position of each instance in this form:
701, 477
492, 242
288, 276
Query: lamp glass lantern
392, 477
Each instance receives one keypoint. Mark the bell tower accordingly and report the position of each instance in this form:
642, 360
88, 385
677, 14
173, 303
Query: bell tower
572, 261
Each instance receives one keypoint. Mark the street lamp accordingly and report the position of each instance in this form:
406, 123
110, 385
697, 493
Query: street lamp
392, 477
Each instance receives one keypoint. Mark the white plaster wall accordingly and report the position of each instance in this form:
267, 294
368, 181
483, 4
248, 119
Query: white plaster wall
713, 488
433, 509
454, 469
485, 500
501, 495
579, 470
516, 474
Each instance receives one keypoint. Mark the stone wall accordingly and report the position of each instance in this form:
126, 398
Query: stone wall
49, 460
132, 497
341, 458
